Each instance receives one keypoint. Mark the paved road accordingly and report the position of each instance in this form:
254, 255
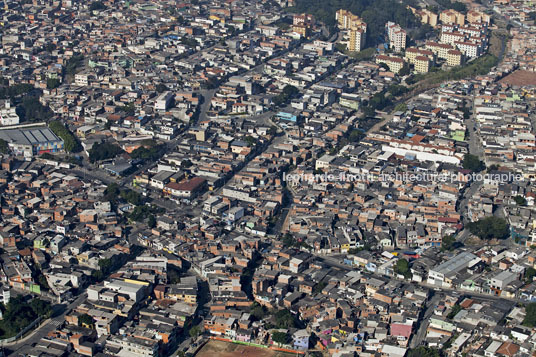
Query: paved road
419, 336
26, 343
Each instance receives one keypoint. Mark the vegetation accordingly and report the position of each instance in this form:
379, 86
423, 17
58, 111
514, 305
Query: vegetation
479, 66
73, 63
448, 243
85, 320
473, 163
455, 309
31, 109
53, 83
285, 319
286, 94
97, 6
149, 151
19, 313
194, 332
103, 151
529, 274
106, 267
160, 88
402, 267
281, 338
490, 227
422, 351
455, 5
374, 12
70, 143
4, 148
11, 92
128, 109
258, 311
291, 242
520, 200
530, 315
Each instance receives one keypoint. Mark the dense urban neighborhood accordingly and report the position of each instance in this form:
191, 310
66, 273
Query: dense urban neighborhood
268, 178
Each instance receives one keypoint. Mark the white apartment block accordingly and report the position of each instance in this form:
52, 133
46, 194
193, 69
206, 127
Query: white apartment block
396, 35
8, 114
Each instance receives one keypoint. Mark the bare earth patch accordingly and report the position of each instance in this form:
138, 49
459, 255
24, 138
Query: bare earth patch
214, 348
520, 78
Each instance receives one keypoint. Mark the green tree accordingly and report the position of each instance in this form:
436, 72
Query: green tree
257, 310
285, 319
151, 221
160, 88
31, 109
4, 148
422, 351
447, 243
282, 338
53, 83
86, 320
402, 267
103, 151
455, 309
97, 6
520, 200
490, 227
194, 332
473, 163
70, 142
529, 274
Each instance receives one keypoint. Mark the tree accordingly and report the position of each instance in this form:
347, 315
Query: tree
455, 309
97, 6
402, 267
103, 150
160, 88
529, 274
520, 200
53, 83
448, 242
285, 319
490, 227
250, 140
405, 70
422, 351
70, 143
85, 320
31, 109
151, 221
4, 148
194, 332
530, 315
282, 338
473, 163
257, 310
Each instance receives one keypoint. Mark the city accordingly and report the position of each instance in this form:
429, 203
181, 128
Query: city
267, 178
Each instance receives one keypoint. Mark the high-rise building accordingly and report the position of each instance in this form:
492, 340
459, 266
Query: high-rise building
396, 35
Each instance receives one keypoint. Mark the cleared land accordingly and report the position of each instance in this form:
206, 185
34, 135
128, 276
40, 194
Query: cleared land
215, 348
520, 78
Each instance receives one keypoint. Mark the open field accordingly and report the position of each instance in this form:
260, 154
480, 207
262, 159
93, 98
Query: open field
215, 348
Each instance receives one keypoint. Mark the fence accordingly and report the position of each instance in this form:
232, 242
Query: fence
21, 333
288, 350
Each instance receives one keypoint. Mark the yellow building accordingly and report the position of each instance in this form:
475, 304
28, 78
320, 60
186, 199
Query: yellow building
395, 64
439, 49
452, 17
346, 20
474, 16
356, 40
412, 53
454, 58
422, 64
